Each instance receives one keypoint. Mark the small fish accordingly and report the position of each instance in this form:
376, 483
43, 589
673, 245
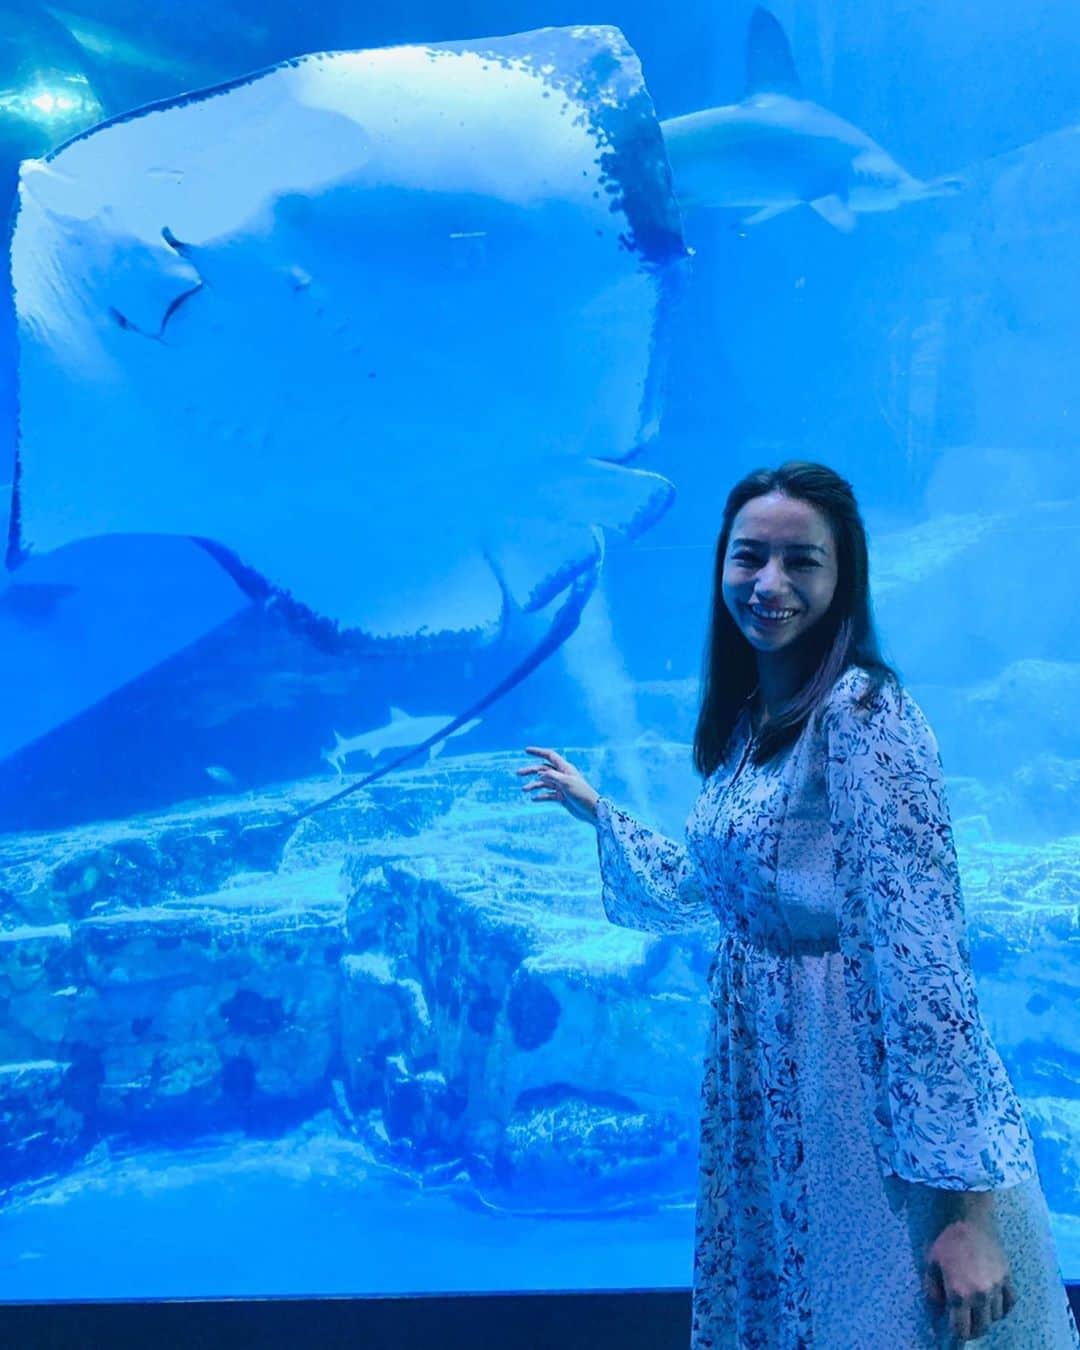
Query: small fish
222, 776
397, 734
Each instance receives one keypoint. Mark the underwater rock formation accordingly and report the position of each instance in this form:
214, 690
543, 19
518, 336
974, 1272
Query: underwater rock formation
453, 993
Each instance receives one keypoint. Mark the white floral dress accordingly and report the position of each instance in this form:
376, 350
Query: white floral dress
848, 1073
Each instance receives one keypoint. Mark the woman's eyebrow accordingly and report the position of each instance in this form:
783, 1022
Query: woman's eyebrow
759, 543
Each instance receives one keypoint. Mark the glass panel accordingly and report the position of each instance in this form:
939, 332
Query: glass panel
374, 378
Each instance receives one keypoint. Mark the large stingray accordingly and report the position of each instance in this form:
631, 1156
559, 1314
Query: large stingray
381, 329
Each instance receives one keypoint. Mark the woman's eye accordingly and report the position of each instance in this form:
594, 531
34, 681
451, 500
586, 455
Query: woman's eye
795, 562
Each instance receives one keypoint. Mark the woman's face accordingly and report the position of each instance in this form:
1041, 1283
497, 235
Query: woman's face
780, 557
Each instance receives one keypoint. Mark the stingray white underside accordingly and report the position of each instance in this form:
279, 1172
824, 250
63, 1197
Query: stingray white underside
368, 321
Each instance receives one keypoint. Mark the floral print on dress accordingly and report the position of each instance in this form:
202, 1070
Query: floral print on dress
648, 882
941, 1106
848, 1077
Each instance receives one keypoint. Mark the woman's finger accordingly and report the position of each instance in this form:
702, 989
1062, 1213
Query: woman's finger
549, 775
539, 771
552, 756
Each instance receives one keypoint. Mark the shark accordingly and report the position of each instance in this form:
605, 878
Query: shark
776, 150
400, 732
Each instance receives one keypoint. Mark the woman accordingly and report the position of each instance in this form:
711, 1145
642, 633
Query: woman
866, 1174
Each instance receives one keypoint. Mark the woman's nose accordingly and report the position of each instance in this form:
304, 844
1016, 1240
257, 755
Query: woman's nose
771, 578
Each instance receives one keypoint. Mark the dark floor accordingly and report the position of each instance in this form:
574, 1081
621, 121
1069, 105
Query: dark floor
628, 1321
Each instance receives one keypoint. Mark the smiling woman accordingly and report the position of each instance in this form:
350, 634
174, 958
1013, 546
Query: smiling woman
865, 1168
779, 573
783, 572
783, 557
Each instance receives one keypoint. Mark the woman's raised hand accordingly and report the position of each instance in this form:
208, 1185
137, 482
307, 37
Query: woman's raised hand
556, 780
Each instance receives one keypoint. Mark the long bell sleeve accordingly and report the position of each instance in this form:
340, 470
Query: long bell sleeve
649, 882
942, 1109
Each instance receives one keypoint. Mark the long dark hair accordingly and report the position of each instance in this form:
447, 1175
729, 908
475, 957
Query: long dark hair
842, 637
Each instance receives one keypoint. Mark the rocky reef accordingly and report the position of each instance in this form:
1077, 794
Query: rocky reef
427, 967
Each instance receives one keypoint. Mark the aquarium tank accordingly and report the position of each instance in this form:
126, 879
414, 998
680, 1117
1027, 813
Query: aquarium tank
372, 378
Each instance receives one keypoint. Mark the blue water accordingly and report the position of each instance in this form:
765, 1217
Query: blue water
375, 427
250, 1221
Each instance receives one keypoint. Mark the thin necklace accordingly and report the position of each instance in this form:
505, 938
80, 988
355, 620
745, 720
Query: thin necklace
750, 712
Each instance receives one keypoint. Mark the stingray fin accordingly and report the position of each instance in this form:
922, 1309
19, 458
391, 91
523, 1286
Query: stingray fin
836, 211
562, 624
396, 715
770, 67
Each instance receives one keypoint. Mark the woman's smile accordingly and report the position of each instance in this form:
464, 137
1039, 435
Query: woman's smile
769, 617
